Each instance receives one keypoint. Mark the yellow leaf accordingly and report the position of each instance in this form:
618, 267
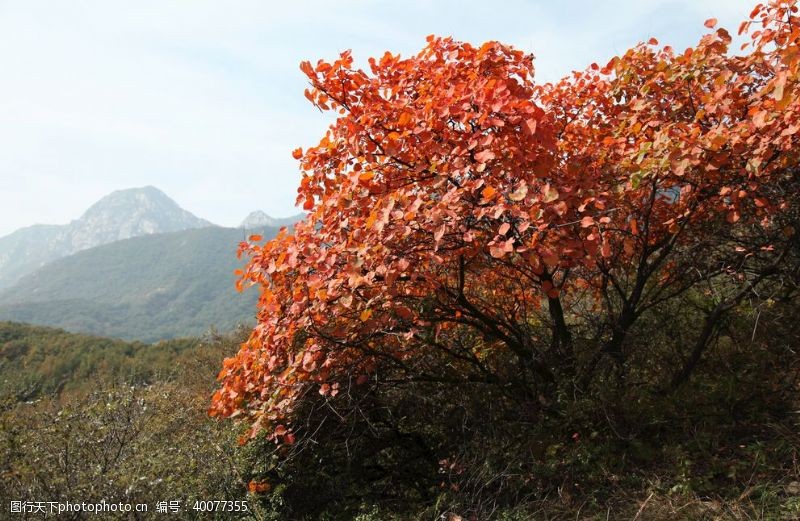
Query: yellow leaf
550, 194
520, 193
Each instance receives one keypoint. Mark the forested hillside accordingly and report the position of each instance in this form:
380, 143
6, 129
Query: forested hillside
106, 420
41, 361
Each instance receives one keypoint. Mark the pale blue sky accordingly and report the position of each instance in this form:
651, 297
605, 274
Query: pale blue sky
205, 99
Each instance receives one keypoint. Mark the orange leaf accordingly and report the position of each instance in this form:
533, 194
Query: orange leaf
307, 69
710, 23
258, 487
497, 251
778, 86
628, 246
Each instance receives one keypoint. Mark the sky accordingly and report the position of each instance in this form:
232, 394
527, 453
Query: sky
204, 99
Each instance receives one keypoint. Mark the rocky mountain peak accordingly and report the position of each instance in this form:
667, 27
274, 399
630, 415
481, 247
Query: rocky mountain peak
122, 214
256, 219
130, 213
259, 219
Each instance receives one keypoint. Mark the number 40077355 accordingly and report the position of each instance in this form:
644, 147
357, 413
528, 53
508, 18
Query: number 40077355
220, 506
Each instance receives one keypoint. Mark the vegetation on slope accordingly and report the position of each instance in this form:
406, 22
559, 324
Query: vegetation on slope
87, 419
133, 419
39, 361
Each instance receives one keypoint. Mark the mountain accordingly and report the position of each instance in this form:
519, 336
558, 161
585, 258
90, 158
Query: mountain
120, 215
260, 219
27, 249
145, 288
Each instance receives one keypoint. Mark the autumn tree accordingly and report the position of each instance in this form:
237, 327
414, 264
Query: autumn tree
467, 225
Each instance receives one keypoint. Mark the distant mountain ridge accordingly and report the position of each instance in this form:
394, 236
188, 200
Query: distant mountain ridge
120, 215
134, 266
147, 288
259, 219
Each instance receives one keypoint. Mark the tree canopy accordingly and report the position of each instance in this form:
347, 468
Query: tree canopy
467, 224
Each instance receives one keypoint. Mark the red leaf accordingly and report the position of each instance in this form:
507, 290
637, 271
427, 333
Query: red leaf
484, 156
439, 233
530, 126
504, 228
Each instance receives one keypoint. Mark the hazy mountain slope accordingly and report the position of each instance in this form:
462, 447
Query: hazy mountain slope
147, 288
27, 249
119, 215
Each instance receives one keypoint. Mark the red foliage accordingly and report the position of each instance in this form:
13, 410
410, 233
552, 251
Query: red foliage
454, 194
